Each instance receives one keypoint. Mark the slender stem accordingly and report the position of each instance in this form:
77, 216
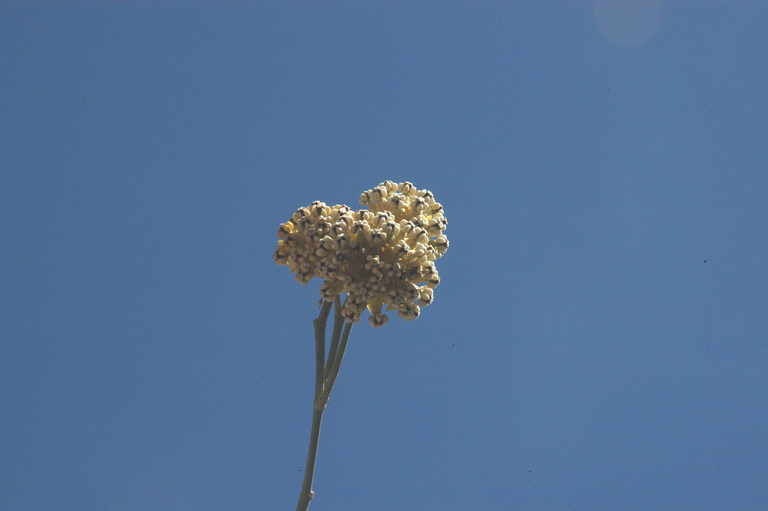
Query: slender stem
336, 364
309, 472
320, 323
317, 407
338, 322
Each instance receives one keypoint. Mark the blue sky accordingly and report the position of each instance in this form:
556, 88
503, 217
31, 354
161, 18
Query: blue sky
597, 342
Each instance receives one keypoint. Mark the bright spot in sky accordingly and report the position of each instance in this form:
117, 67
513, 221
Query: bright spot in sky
628, 22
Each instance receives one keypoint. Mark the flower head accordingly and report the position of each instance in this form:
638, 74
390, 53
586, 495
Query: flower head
382, 257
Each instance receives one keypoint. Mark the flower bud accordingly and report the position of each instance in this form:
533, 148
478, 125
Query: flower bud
378, 320
426, 295
409, 311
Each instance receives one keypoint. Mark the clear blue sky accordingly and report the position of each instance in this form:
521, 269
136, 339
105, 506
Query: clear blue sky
597, 342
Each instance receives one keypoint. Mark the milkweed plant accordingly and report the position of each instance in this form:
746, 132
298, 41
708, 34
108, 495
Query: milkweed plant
381, 259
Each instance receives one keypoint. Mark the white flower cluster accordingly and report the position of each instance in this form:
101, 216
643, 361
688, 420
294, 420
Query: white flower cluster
381, 256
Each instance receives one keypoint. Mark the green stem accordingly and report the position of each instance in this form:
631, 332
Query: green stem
336, 364
317, 407
320, 323
309, 472
338, 322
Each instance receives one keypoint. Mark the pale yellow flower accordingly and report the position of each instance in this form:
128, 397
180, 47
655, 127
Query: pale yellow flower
381, 257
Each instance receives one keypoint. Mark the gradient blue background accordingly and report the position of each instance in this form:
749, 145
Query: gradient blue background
599, 339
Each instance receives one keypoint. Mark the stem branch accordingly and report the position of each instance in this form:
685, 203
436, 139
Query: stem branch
323, 387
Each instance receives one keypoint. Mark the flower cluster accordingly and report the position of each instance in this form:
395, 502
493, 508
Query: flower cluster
381, 256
